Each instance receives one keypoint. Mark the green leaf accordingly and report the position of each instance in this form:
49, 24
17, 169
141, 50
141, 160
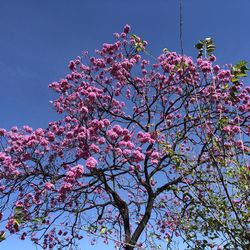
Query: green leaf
235, 79
39, 219
2, 235
198, 46
103, 230
208, 40
17, 225
135, 37
242, 65
223, 120
18, 215
18, 210
165, 50
92, 228
241, 74
205, 46
139, 45
239, 70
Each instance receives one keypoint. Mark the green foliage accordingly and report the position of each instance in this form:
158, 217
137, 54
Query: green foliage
165, 50
205, 47
139, 43
103, 230
2, 236
18, 215
239, 70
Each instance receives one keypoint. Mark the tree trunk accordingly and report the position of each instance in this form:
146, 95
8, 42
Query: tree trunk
143, 223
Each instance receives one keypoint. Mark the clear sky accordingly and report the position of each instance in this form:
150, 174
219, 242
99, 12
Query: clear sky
38, 38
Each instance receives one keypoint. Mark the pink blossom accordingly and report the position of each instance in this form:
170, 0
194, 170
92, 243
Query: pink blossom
126, 29
145, 137
3, 156
236, 129
212, 58
49, 186
65, 188
126, 152
137, 156
27, 129
91, 163
131, 168
118, 151
227, 129
112, 134
2, 132
236, 201
39, 132
101, 140
51, 136
155, 157
70, 134
118, 129
77, 170
239, 144
92, 96
14, 129
242, 108
130, 145
122, 144
70, 175
94, 148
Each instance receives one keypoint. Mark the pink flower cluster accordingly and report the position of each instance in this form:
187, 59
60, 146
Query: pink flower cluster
91, 163
75, 172
137, 156
145, 137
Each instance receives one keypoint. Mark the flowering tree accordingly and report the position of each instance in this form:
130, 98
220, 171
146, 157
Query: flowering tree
143, 153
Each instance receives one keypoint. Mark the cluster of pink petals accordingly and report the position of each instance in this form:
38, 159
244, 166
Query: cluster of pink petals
91, 163
145, 137
75, 172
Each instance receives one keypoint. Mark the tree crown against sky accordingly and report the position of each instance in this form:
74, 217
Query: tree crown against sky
144, 152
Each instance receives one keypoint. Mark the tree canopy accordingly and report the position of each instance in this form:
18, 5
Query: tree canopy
146, 151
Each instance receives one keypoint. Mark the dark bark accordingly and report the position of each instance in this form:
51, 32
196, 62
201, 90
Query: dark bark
122, 207
143, 223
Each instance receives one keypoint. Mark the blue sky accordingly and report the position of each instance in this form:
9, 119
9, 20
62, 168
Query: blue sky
38, 38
